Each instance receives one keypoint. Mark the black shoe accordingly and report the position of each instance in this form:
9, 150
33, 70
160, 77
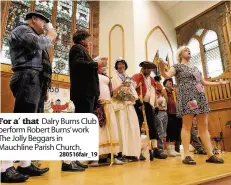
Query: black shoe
151, 155
200, 152
123, 159
159, 154
142, 158
129, 159
189, 161
133, 159
81, 165
32, 170
13, 176
72, 167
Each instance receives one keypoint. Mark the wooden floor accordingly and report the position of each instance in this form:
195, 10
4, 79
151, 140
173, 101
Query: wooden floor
158, 172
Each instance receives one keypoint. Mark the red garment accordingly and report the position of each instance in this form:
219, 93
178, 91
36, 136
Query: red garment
58, 108
139, 78
159, 87
171, 104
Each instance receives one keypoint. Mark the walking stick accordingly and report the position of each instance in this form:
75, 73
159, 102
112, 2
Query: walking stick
146, 124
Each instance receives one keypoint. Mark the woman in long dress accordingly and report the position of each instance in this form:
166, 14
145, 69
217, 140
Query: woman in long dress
128, 125
191, 102
108, 131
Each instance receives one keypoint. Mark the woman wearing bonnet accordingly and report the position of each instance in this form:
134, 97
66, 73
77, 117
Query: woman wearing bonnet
125, 96
108, 131
191, 102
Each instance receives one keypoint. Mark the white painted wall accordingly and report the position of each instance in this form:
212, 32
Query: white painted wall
185, 10
117, 12
157, 41
138, 18
147, 15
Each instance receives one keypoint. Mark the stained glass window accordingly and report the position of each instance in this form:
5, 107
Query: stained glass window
213, 61
63, 41
45, 7
16, 15
82, 15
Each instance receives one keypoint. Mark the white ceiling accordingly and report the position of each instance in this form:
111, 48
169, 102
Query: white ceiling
181, 11
166, 5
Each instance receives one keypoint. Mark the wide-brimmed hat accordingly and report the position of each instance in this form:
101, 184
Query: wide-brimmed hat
147, 65
37, 14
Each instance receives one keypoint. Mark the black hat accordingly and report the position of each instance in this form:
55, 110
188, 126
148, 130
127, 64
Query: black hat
147, 65
166, 80
37, 14
122, 61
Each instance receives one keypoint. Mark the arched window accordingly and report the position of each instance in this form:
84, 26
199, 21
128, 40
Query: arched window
213, 61
195, 53
60, 13
206, 53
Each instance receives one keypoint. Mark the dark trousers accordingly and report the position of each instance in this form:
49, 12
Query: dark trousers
26, 86
174, 128
195, 141
150, 119
84, 104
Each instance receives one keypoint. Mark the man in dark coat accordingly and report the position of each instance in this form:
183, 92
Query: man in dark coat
84, 80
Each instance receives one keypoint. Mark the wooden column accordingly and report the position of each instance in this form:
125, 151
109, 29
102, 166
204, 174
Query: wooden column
53, 21
4, 14
202, 53
91, 30
32, 7
227, 45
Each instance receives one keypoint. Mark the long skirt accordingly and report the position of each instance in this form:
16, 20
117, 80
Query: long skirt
128, 128
108, 133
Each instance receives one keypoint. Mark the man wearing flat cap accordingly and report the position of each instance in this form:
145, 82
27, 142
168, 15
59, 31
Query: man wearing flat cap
30, 62
150, 104
32, 76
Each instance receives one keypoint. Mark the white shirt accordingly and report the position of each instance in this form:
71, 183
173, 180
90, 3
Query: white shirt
149, 87
104, 88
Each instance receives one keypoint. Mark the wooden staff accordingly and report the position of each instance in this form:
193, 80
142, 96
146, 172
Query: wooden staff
146, 123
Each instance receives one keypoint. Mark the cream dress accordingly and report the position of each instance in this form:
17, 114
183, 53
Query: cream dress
128, 124
110, 129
